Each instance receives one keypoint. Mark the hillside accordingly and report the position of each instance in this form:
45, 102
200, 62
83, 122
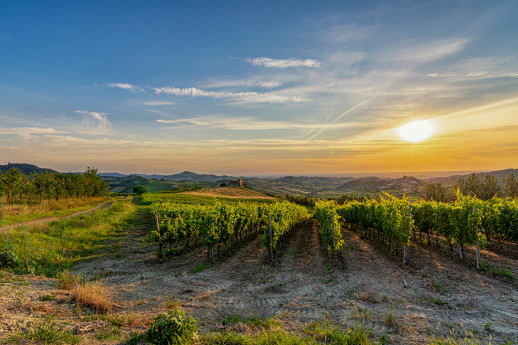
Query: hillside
230, 192
374, 185
25, 168
125, 184
499, 174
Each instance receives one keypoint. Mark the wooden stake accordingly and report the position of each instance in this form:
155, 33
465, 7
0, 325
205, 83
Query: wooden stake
333, 230
160, 254
478, 244
405, 250
270, 249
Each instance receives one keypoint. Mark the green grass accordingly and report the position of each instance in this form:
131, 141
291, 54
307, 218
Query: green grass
198, 268
437, 301
53, 247
325, 332
52, 208
49, 332
496, 270
437, 285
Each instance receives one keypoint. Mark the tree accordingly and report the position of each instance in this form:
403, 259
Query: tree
139, 190
12, 183
470, 186
489, 188
436, 191
511, 185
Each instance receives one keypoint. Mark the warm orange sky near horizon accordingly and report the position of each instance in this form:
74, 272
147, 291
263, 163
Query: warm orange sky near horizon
314, 89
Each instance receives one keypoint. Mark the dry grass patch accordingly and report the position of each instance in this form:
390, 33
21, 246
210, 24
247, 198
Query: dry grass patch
172, 302
93, 295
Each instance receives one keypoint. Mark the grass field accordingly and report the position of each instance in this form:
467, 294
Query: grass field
48, 248
230, 192
50, 208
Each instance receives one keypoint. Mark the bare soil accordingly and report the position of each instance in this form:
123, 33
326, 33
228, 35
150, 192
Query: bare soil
367, 286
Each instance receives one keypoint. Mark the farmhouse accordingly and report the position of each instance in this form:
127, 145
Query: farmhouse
236, 183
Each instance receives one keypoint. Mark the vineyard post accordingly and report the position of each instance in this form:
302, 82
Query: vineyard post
405, 251
159, 234
333, 231
478, 242
270, 247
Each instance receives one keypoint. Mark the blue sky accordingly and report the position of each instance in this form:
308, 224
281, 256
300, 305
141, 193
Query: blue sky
291, 87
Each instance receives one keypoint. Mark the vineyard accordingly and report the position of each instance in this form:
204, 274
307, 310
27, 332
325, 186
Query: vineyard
248, 266
467, 222
180, 220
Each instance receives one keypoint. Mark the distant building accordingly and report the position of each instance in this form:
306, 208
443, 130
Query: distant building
236, 183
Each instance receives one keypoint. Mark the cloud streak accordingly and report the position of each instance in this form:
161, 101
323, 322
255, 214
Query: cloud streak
28, 130
125, 86
247, 123
283, 63
240, 97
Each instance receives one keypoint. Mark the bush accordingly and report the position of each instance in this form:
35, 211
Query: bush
140, 190
172, 328
7, 260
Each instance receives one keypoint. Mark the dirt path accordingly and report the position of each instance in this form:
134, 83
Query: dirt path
50, 219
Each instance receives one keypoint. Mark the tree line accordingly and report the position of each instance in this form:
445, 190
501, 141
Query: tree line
16, 186
483, 189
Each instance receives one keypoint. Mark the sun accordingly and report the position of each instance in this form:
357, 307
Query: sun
416, 131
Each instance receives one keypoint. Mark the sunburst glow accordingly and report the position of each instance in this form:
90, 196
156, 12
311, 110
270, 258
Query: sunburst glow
416, 131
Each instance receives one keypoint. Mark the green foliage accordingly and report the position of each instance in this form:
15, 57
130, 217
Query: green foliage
50, 333
327, 333
51, 185
218, 220
140, 190
171, 328
325, 213
458, 221
7, 260
54, 247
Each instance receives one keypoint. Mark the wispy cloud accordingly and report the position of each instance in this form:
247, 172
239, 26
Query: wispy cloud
28, 130
347, 33
283, 63
430, 51
156, 103
125, 86
249, 82
243, 97
94, 121
247, 123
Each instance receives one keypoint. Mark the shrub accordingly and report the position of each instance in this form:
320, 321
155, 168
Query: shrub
66, 281
173, 327
7, 260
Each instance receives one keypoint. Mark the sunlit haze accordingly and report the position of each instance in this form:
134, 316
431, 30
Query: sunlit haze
416, 131
257, 88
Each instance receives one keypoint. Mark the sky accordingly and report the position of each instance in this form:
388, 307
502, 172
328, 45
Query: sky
258, 88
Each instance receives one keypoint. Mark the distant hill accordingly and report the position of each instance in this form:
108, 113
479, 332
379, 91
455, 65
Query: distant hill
25, 168
374, 185
451, 180
230, 192
183, 176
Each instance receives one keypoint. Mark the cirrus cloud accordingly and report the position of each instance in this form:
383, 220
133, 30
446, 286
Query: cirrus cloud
283, 63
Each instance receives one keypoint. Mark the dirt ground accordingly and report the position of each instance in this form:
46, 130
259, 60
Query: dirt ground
403, 304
